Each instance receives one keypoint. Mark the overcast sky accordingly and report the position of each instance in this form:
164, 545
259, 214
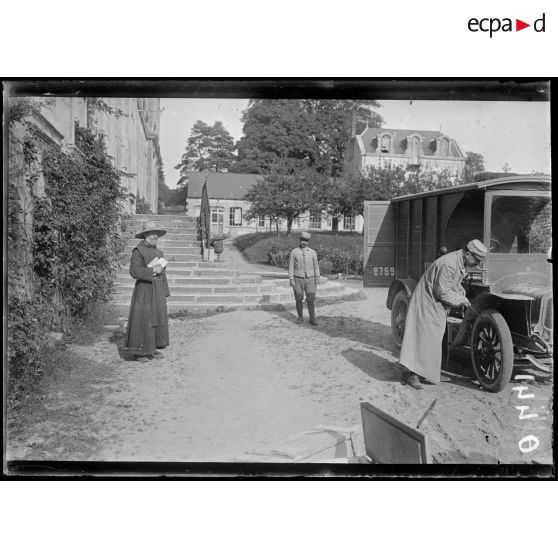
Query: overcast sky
517, 133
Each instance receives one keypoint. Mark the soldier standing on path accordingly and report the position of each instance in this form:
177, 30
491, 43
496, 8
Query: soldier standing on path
304, 276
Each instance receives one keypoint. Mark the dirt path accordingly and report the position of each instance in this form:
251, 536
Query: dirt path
236, 382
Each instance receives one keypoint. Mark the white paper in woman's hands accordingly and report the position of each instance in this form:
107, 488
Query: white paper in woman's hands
158, 261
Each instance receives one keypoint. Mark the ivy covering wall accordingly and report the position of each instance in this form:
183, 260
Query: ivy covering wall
63, 234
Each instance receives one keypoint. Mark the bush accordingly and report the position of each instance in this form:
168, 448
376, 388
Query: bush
74, 242
142, 206
337, 252
326, 266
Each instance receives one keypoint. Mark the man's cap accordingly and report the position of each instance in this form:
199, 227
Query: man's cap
477, 248
149, 227
305, 236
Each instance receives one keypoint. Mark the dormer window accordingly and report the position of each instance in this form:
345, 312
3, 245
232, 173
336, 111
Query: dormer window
414, 150
444, 147
384, 145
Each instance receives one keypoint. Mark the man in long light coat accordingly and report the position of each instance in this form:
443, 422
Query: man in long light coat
437, 291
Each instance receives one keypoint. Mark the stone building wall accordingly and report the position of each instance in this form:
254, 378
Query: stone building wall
132, 139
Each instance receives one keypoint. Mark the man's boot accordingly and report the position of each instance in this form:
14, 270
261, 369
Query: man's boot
299, 308
312, 313
414, 381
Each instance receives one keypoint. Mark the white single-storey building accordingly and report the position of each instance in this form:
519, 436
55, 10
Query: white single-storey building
226, 193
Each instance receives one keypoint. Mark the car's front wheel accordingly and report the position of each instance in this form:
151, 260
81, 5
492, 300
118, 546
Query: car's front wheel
492, 350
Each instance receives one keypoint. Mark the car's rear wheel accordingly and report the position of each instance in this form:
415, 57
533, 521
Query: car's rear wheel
492, 350
398, 315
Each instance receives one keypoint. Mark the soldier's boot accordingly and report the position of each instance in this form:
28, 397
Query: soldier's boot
299, 308
312, 312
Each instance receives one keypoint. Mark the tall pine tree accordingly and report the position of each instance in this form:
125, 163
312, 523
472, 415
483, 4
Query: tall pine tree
209, 148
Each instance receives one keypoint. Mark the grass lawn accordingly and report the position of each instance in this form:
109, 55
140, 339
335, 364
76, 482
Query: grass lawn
338, 252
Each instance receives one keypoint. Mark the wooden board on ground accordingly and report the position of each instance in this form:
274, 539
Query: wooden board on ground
388, 440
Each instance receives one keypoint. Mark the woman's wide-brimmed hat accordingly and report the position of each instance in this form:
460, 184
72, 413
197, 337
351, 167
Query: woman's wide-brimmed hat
149, 227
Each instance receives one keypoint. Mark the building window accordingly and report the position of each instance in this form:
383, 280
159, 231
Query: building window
261, 220
217, 215
196, 211
385, 144
349, 223
316, 220
444, 147
235, 217
414, 151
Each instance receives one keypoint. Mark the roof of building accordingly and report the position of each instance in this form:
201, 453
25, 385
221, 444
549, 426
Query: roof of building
517, 182
221, 185
399, 143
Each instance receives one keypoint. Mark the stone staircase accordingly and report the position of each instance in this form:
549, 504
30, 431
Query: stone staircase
198, 286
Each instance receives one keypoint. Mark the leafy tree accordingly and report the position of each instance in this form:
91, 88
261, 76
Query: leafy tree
209, 148
164, 191
281, 194
276, 132
474, 164
178, 196
376, 183
333, 126
290, 131
383, 183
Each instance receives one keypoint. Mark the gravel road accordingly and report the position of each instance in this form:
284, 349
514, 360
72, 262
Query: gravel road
235, 382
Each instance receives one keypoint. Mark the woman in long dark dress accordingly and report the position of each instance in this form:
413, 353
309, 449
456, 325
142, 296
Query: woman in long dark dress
148, 324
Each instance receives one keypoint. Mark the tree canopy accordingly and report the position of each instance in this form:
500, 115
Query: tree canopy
383, 183
209, 148
283, 195
289, 132
474, 164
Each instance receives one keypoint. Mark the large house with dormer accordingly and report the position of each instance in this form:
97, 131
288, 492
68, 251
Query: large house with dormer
414, 149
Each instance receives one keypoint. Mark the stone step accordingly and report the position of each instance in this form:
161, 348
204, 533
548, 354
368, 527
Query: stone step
212, 299
232, 300
185, 266
199, 272
123, 279
251, 302
171, 230
183, 279
170, 238
232, 284
203, 281
177, 236
157, 218
170, 250
182, 258
123, 292
123, 309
